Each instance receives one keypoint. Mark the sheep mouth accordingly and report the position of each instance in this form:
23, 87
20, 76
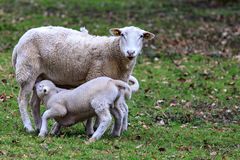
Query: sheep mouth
130, 57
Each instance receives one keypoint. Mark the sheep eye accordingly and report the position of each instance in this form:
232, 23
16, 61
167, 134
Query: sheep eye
122, 34
141, 36
44, 90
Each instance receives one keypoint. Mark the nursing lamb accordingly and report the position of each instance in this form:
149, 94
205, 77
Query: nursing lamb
90, 99
69, 58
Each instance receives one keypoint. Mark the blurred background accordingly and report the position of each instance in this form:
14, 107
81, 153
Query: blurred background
209, 27
188, 105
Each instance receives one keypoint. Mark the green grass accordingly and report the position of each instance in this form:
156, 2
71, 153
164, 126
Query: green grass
195, 96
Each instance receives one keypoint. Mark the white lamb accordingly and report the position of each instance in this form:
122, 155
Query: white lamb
94, 98
69, 58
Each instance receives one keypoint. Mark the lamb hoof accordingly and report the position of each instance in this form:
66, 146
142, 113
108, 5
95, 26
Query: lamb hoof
55, 133
29, 129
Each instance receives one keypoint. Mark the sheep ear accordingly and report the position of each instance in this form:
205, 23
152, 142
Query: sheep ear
148, 35
115, 31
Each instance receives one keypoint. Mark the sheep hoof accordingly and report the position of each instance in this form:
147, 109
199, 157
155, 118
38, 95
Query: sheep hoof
37, 130
124, 129
90, 133
91, 140
42, 134
114, 134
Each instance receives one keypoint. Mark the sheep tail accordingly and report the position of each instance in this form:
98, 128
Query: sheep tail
127, 89
133, 83
14, 57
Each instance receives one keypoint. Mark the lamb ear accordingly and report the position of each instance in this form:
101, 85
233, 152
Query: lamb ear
115, 31
148, 35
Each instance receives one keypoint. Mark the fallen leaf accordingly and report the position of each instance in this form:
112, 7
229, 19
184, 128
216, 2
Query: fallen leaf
4, 81
145, 126
160, 102
2, 152
139, 146
3, 97
185, 148
173, 104
161, 122
213, 153
138, 137
183, 126
161, 149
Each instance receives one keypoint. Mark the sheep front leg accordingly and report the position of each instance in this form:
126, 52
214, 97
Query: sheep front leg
25, 91
54, 111
35, 105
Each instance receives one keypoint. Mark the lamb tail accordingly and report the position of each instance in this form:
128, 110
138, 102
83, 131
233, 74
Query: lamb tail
134, 83
125, 86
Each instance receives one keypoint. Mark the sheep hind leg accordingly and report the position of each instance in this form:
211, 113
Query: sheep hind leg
122, 110
25, 91
105, 118
118, 121
27, 71
124, 107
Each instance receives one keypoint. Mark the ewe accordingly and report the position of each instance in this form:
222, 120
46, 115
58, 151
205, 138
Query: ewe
90, 99
69, 58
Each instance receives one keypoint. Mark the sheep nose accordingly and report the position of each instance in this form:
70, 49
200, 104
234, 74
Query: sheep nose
130, 52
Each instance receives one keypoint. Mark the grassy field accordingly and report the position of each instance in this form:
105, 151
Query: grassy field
188, 105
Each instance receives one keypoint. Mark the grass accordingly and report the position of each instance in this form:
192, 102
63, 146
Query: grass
187, 106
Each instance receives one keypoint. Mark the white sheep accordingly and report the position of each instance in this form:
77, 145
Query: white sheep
93, 98
121, 109
69, 58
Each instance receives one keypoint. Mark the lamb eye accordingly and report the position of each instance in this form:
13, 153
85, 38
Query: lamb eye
122, 34
141, 36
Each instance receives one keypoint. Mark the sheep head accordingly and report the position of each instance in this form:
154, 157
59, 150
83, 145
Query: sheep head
131, 40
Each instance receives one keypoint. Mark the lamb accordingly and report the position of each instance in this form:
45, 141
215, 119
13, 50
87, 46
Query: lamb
69, 58
68, 107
